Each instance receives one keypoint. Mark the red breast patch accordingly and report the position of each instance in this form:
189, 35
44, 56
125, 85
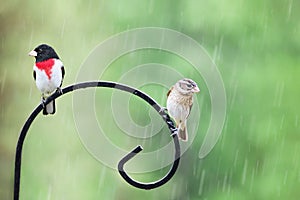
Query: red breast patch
46, 66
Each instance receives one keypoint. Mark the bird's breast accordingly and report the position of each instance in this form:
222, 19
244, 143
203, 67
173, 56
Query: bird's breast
46, 66
48, 75
179, 105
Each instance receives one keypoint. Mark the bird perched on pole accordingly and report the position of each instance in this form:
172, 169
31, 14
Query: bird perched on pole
179, 104
48, 73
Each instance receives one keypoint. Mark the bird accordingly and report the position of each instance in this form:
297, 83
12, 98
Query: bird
180, 102
48, 73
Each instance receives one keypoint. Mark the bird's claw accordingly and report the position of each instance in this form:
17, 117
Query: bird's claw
174, 132
59, 90
43, 102
163, 111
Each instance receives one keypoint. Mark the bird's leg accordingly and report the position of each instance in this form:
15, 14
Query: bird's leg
163, 112
59, 90
43, 101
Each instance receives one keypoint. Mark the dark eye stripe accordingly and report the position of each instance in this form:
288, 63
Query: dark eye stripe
192, 84
187, 84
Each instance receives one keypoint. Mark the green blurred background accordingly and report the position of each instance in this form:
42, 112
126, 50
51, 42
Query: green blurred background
256, 47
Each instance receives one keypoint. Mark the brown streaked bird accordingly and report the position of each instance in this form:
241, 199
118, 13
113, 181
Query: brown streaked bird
180, 102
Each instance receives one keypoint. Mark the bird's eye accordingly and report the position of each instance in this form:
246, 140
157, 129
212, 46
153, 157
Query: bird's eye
189, 85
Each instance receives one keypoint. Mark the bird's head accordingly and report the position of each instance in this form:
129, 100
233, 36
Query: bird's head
43, 52
187, 86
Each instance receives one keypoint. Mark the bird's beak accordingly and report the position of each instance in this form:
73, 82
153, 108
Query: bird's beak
196, 89
32, 53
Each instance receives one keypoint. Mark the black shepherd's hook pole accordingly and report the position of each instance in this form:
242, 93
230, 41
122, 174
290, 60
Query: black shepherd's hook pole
126, 88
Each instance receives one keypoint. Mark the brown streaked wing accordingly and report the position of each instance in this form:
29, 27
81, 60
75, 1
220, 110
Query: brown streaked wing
170, 91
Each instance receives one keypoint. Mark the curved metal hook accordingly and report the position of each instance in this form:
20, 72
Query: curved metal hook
130, 155
148, 99
152, 185
169, 175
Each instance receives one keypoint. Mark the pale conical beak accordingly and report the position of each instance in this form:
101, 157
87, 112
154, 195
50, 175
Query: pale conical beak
196, 89
32, 53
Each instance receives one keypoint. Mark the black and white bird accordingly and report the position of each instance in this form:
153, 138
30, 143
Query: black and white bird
48, 73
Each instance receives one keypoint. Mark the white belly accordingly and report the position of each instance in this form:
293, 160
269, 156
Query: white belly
46, 85
177, 111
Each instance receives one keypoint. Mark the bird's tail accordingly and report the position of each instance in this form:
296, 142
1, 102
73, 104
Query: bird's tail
182, 131
49, 108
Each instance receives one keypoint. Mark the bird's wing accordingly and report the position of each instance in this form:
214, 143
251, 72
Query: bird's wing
190, 105
34, 74
190, 110
63, 72
170, 91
